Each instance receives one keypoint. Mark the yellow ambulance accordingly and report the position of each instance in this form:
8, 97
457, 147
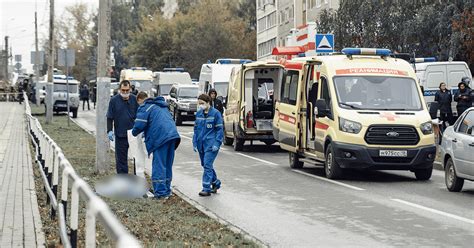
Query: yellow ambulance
361, 109
249, 106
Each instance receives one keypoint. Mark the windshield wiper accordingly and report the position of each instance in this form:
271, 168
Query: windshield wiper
394, 109
349, 105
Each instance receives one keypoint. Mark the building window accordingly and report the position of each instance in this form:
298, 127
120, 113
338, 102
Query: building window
291, 13
271, 20
262, 24
265, 48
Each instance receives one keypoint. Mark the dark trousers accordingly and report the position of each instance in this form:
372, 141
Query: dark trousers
446, 118
121, 155
162, 172
84, 103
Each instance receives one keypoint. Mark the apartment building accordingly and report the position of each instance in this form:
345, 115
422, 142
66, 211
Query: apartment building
280, 20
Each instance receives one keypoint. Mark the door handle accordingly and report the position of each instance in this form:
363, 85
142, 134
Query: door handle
455, 140
277, 109
472, 144
293, 112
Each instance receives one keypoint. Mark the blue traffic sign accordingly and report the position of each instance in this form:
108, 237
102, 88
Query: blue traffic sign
324, 43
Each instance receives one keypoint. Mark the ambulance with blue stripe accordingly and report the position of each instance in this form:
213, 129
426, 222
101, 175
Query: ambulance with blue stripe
362, 109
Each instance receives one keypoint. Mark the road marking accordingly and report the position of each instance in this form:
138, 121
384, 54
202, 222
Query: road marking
254, 158
328, 180
435, 211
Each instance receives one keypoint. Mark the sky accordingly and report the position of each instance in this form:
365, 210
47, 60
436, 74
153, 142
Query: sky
17, 18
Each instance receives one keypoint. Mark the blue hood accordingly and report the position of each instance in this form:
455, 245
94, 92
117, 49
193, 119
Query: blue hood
159, 100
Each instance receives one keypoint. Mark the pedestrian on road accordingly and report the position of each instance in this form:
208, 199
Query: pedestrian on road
20, 93
84, 95
121, 115
134, 91
161, 139
207, 139
216, 103
444, 98
463, 98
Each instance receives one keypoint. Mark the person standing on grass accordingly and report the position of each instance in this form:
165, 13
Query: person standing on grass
121, 115
207, 139
161, 139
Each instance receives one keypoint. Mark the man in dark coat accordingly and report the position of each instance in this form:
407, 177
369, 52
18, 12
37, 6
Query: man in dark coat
463, 98
121, 115
216, 103
84, 95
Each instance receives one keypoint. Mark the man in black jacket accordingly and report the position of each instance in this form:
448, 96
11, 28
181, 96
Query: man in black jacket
463, 98
216, 103
444, 98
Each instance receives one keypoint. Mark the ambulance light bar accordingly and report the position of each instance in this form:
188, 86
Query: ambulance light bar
233, 61
138, 68
366, 51
428, 59
179, 69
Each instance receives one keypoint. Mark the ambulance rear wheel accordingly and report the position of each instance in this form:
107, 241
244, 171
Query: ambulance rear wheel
295, 162
238, 144
228, 141
331, 167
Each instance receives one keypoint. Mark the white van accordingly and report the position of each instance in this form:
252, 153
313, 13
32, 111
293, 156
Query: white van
431, 74
164, 80
216, 75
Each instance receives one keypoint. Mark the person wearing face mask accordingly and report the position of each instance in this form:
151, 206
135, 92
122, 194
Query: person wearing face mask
161, 140
121, 116
207, 139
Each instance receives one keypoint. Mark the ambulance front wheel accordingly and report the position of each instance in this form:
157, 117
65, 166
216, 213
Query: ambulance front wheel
295, 162
331, 167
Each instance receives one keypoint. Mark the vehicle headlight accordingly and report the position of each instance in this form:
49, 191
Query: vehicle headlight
427, 128
349, 126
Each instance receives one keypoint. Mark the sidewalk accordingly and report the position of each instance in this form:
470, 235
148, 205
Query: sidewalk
20, 222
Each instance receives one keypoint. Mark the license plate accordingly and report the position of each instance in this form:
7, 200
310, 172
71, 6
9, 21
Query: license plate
392, 153
184, 113
61, 105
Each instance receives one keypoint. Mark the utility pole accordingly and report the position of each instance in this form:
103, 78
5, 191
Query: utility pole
37, 61
103, 86
7, 79
49, 85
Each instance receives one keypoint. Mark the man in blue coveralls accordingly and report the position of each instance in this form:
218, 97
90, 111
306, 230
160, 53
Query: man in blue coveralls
207, 139
121, 115
161, 139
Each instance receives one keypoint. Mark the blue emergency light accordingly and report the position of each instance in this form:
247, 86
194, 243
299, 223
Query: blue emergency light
366, 51
178, 69
422, 60
233, 61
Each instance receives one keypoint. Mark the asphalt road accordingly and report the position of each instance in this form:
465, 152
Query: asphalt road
282, 207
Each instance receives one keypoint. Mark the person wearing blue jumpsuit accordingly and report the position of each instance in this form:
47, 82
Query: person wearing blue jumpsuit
161, 139
121, 114
207, 139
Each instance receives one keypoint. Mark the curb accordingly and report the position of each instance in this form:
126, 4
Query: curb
203, 209
214, 216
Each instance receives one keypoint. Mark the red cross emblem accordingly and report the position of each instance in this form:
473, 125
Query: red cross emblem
389, 116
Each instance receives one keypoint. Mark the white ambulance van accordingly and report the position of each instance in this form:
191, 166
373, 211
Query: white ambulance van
360, 110
141, 77
164, 80
216, 75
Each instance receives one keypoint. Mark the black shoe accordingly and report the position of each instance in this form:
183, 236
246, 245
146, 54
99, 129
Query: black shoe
204, 193
214, 189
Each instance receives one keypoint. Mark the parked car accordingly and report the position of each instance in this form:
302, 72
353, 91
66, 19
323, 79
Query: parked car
457, 151
183, 103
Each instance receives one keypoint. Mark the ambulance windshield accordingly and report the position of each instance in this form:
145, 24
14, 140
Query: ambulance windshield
377, 93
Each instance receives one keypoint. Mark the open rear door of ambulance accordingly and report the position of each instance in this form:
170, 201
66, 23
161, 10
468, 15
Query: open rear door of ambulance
286, 119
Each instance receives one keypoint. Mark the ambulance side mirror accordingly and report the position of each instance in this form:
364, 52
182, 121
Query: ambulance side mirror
321, 109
